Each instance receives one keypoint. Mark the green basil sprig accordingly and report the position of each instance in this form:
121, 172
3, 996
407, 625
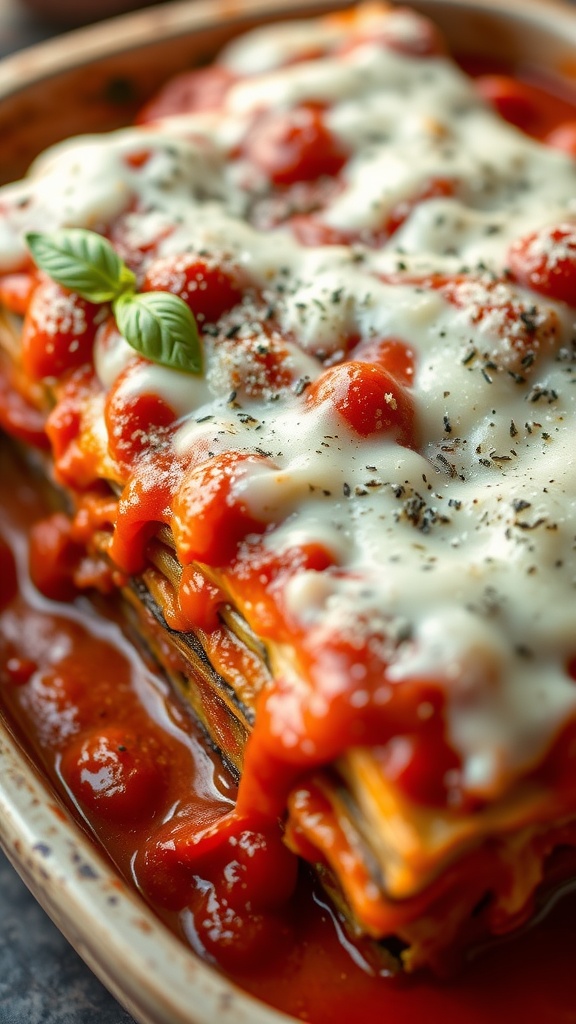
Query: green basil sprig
159, 325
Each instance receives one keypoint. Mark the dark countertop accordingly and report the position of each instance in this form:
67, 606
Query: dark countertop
19, 28
42, 979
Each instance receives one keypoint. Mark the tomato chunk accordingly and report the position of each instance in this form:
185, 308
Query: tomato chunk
423, 766
135, 421
234, 877
75, 463
546, 261
16, 291
114, 774
203, 89
18, 417
54, 557
59, 331
210, 516
266, 573
510, 98
368, 398
236, 939
392, 354
19, 670
206, 287
294, 146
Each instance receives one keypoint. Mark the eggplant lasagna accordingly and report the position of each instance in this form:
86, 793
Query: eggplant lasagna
350, 538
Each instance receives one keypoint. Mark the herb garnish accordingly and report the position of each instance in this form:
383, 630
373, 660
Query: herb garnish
158, 325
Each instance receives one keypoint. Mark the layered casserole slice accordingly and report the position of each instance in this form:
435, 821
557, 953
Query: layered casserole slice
347, 531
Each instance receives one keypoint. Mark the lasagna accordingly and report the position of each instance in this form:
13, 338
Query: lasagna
347, 534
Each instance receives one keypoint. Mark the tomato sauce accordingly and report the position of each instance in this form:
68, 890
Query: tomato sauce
122, 753
538, 103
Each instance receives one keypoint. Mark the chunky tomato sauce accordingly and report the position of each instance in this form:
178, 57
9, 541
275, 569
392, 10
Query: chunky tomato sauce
539, 104
124, 756
127, 759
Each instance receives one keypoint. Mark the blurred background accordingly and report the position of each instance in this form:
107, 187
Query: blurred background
23, 22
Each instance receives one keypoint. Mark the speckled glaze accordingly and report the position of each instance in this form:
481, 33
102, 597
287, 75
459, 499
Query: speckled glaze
95, 80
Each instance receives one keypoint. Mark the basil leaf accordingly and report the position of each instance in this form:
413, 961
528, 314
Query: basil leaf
161, 327
82, 261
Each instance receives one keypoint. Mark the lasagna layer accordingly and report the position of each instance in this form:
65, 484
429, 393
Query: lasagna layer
362, 508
